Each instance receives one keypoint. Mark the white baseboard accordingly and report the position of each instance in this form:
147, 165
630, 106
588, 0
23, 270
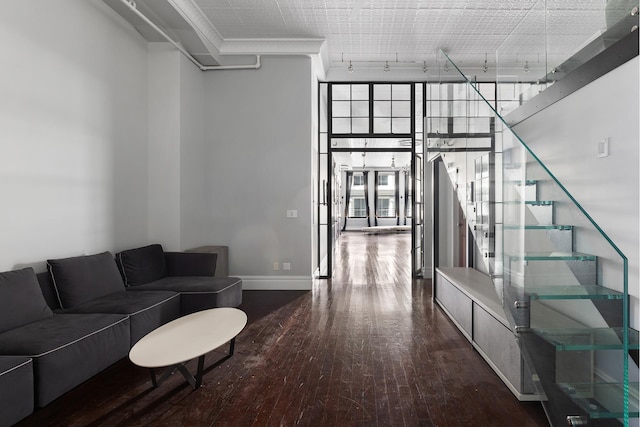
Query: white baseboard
276, 283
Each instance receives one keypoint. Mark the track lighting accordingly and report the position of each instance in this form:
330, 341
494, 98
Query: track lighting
446, 67
485, 67
526, 66
386, 68
350, 67
424, 66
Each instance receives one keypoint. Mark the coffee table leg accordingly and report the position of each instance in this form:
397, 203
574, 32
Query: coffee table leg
153, 377
195, 381
199, 372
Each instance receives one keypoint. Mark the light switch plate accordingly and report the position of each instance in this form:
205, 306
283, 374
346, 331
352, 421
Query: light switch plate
603, 147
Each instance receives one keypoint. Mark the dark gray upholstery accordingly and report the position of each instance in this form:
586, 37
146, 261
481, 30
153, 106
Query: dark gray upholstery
67, 349
21, 300
190, 263
84, 278
147, 310
142, 265
16, 389
199, 293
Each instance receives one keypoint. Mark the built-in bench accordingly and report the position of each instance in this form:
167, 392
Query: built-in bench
470, 299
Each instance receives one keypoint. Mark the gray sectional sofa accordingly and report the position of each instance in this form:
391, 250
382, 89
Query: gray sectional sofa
59, 328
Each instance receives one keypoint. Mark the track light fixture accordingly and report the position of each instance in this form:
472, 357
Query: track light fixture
526, 66
446, 67
485, 67
386, 68
350, 67
424, 66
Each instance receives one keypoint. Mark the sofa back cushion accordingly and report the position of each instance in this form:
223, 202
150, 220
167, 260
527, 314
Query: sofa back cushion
21, 299
142, 265
84, 278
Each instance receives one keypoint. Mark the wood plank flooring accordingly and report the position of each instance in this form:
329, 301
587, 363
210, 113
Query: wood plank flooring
367, 348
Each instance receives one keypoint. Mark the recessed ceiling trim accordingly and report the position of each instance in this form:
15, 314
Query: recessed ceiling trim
274, 46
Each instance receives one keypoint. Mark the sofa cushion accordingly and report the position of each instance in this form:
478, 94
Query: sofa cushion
147, 310
142, 265
84, 278
21, 299
199, 293
68, 349
16, 389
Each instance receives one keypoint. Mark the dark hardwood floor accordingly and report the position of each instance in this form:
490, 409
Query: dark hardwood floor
367, 348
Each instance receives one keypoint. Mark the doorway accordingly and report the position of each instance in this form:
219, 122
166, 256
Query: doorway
370, 166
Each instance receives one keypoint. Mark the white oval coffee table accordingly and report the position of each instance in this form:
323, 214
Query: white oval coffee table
186, 338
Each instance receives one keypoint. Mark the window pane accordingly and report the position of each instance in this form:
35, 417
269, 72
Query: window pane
401, 125
385, 207
433, 109
460, 125
357, 208
459, 108
487, 90
382, 125
401, 109
341, 125
382, 109
382, 92
438, 125
341, 92
360, 92
360, 125
360, 109
401, 92
459, 91
341, 109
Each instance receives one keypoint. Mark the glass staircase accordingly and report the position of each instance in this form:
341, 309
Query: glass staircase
563, 284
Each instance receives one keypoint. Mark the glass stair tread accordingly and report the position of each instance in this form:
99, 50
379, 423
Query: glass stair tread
553, 256
529, 202
526, 182
603, 400
578, 339
539, 227
592, 292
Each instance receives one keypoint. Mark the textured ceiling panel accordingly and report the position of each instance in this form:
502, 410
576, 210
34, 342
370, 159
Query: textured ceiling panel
412, 31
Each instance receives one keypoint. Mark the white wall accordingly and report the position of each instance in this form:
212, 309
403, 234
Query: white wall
73, 131
565, 137
164, 145
194, 197
258, 127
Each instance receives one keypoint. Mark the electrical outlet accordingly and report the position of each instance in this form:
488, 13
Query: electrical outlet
276, 266
286, 266
292, 213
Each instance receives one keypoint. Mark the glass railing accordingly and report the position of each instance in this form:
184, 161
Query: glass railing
562, 280
553, 40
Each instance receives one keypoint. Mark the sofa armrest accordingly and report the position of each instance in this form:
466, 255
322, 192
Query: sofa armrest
190, 263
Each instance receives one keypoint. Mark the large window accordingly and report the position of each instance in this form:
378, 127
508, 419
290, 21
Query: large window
357, 207
357, 199
386, 189
350, 109
371, 109
386, 208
